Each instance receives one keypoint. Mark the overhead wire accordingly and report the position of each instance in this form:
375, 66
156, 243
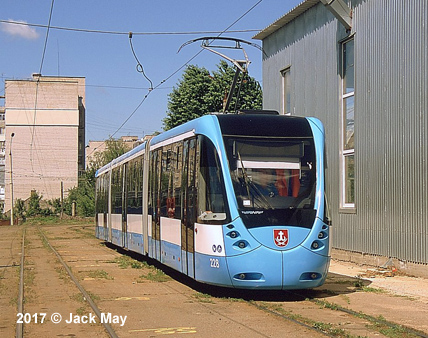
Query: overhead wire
181, 67
46, 37
95, 31
174, 72
36, 101
139, 67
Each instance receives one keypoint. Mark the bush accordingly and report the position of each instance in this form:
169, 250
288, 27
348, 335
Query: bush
31, 208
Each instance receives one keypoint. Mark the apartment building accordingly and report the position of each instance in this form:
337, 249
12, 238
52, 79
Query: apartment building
2, 157
44, 135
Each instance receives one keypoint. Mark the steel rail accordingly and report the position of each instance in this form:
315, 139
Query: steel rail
20, 325
362, 315
88, 298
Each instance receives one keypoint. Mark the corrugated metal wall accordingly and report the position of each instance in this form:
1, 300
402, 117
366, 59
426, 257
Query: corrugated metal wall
391, 116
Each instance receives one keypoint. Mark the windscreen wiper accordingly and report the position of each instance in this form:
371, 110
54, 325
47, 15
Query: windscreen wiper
250, 184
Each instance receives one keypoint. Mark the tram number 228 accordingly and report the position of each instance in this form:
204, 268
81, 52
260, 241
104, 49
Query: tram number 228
214, 263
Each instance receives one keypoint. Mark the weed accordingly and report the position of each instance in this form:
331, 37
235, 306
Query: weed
126, 261
327, 328
99, 274
78, 297
62, 272
372, 290
203, 298
155, 276
358, 283
81, 311
326, 305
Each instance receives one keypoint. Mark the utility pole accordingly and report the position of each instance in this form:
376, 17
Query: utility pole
62, 199
11, 178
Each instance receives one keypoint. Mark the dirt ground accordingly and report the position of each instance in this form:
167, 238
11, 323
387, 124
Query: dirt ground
158, 302
389, 280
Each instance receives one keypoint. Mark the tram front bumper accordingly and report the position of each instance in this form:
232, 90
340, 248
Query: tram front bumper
264, 268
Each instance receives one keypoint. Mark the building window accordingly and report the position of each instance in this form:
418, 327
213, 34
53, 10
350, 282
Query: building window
286, 91
347, 131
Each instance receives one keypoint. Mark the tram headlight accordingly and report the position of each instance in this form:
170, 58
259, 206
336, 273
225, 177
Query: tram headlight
321, 235
233, 234
315, 245
242, 245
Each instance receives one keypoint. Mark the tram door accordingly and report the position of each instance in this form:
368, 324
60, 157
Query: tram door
155, 201
189, 195
124, 206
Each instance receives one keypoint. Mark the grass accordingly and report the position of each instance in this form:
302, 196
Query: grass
155, 275
379, 324
327, 328
62, 272
84, 232
390, 330
79, 297
125, 262
81, 311
372, 290
99, 274
50, 220
203, 298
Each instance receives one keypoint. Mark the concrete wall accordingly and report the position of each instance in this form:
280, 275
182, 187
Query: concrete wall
43, 113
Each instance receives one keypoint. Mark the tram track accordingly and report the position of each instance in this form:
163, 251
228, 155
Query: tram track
320, 312
20, 325
10, 249
352, 321
21, 300
375, 321
258, 333
280, 304
373, 326
85, 294
378, 325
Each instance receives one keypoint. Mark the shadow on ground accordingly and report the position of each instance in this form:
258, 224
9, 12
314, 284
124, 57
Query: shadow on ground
334, 285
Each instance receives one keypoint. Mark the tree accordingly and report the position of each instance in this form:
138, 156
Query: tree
84, 193
34, 208
199, 93
114, 148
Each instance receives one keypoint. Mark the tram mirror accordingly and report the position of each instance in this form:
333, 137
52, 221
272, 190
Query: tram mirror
212, 216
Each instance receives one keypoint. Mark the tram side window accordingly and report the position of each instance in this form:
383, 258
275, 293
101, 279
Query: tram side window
134, 182
177, 180
154, 201
166, 182
211, 194
101, 194
172, 165
116, 190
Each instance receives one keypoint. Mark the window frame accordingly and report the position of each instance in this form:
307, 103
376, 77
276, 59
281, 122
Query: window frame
347, 180
286, 91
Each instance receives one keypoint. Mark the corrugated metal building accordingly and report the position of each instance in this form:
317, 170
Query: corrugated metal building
366, 77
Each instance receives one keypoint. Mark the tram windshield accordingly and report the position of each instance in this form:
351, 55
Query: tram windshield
274, 180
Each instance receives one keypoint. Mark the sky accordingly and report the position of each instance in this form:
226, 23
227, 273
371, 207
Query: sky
98, 48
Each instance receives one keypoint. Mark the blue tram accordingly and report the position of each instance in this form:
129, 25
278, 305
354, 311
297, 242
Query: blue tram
235, 200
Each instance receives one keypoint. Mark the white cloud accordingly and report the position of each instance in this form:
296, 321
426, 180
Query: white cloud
19, 28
